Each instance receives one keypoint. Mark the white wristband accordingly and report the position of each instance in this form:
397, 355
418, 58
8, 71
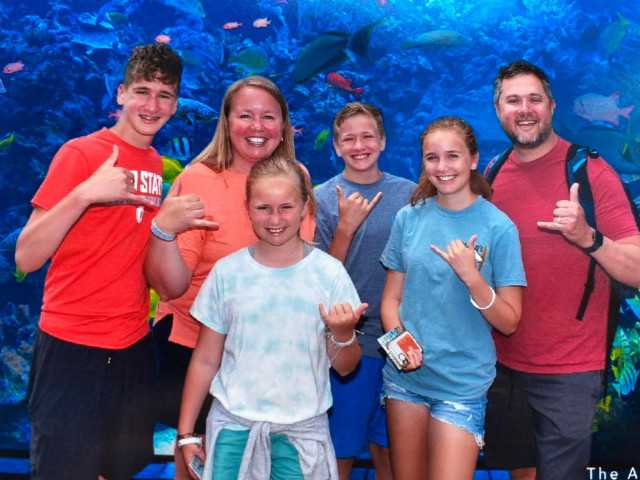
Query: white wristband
493, 300
349, 342
189, 440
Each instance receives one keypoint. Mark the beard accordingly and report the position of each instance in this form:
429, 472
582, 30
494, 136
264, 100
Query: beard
527, 142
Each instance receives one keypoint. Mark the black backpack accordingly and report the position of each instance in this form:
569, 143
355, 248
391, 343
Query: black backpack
576, 171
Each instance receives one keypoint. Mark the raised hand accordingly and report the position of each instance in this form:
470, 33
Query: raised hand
354, 209
180, 212
569, 219
342, 318
461, 257
112, 184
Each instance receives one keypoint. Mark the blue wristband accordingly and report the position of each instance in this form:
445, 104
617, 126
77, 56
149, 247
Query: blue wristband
159, 233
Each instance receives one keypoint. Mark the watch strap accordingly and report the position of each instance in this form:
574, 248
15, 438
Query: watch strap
598, 239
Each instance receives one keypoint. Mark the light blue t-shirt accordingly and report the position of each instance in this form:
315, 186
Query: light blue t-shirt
363, 259
274, 365
459, 353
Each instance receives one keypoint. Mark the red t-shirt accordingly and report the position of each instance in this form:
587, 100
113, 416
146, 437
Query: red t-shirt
549, 339
95, 292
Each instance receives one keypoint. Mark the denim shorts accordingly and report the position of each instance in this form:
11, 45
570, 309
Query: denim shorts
468, 415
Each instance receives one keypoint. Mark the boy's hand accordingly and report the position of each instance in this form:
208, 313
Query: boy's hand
112, 184
179, 213
354, 209
342, 319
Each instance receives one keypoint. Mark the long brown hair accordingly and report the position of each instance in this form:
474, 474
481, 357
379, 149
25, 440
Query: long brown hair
477, 182
218, 155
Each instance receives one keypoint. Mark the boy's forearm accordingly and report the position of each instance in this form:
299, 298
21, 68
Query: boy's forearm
45, 231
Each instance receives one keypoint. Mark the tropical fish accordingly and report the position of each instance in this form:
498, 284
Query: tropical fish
261, 22
604, 403
194, 111
180, 148
97, 41
280, 2
111, 83
338, 81
7, 141
321, 139
13, 67
598, 107
3, 90
117, 114
329, 50
626, 380
437, 40
610, 143
171, 168
252, 59
611, 37
19, 275
154, 298
118, 19
297, 130
231, 25
163, 38
191, 7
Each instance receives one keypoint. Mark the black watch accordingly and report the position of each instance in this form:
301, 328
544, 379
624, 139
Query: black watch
597, 241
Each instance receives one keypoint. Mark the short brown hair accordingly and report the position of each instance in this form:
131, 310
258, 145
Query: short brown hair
357, 108
154, 62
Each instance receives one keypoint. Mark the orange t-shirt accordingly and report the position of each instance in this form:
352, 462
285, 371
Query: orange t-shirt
223, 194
95, 292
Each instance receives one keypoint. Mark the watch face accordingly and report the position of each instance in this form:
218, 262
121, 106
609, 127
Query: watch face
597, 241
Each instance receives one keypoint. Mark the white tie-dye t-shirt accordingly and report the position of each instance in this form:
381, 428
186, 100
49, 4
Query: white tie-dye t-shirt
274, 365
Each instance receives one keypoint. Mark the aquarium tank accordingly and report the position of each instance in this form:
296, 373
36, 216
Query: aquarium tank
62, 62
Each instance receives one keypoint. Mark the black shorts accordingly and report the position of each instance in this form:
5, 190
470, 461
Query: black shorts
172, 361
542, 421
90, 409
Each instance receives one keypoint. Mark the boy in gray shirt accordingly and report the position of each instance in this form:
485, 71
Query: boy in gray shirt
355, 212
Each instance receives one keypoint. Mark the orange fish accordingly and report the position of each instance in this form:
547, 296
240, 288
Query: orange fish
261, 22
230, 25
13, 67
163, 39
117, 114
338, 81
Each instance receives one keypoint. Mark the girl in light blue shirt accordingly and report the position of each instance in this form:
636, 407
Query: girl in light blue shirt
454, 273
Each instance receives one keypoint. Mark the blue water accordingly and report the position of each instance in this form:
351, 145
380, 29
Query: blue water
423, 59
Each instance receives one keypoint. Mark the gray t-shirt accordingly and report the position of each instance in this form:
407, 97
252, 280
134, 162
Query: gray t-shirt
363, 261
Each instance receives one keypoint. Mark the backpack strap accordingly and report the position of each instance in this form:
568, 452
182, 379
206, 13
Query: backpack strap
495, 164
576, 172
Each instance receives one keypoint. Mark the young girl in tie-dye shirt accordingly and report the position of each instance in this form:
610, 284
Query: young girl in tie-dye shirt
277, 314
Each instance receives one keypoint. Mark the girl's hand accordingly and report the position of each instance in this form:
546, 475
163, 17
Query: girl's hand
342, 319
461, 258
415, 358
188, 452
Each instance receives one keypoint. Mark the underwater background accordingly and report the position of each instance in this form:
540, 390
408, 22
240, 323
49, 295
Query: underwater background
416, 60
